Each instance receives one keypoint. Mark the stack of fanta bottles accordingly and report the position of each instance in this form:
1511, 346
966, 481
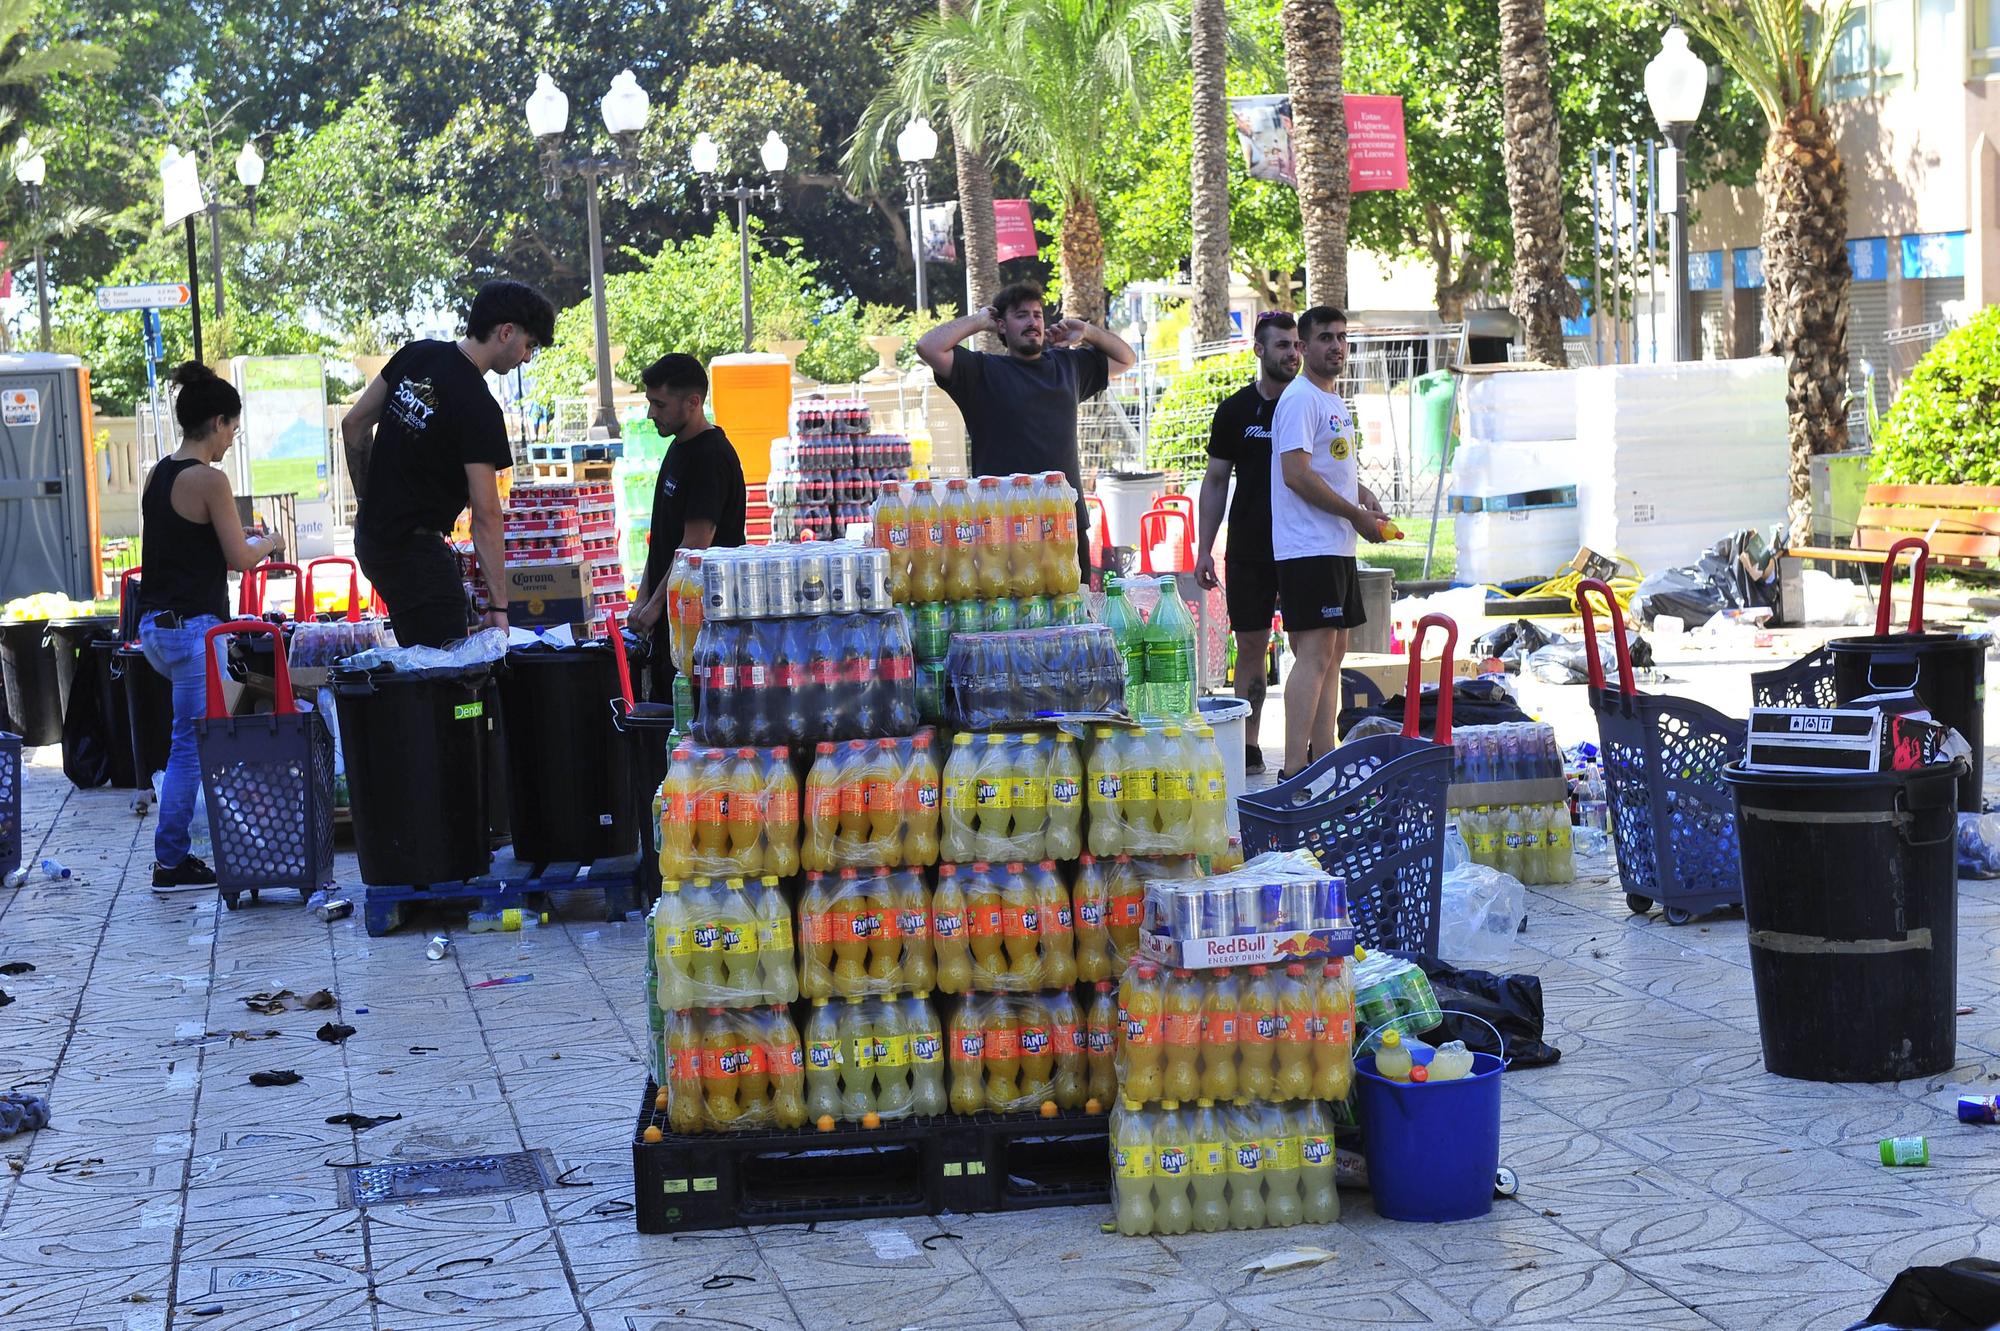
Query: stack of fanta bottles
1159, 790
1016, 1052
730, 1069
728, 812
873, 1059
1226, 1078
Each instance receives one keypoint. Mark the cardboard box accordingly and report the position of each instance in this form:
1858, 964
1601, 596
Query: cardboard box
1815, 739
1390, 673
549, 593
1247, 949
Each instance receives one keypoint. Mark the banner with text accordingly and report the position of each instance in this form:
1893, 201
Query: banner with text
1377, 150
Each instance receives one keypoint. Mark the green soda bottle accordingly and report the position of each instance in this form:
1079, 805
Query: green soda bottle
1128, 627
1170, 654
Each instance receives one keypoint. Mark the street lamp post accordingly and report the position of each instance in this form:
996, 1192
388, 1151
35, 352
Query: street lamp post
1676, 85
32, 169
181, 199
916, 145
249, 174
625, 108
706, 159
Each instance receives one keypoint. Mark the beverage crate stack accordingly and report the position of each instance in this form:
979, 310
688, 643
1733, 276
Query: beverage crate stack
562, 552
1235, 1052
831, 466
1511, 800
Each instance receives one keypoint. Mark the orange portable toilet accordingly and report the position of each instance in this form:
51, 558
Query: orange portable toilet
750, 396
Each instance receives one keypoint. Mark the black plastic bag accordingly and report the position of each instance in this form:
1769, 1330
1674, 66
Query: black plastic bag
86, 740
1511, 1002
1740, 572
1567, 662
1959, 1296
1512, 644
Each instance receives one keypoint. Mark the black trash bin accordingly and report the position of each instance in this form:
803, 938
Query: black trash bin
70, 640
568, 785
28, 674
1850, 887
114, 714
1947, 672
149, 704
414, 746
648, 730
499, 817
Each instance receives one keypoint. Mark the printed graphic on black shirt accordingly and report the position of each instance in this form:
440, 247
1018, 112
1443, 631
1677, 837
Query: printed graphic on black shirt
414, 403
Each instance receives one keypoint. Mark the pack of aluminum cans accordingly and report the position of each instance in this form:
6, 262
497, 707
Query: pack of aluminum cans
785, 581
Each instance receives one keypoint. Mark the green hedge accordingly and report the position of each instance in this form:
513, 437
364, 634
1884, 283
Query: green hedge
1944, 427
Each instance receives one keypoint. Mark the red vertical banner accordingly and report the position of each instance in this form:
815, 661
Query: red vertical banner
1014, 226
1378, 155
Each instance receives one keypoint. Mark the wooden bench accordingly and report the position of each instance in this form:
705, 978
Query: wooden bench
1961, 523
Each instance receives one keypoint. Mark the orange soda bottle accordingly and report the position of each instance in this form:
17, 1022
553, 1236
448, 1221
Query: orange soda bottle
926, 543
1333, 1051
885, 947
922, 790
986, 926
753, 1067
913, 929
1002, 1029
815, 939
891, 521
850, 942
1062, 559
1092, 904
968, 1057
1048, 544
711, 801
1038, 1047
1295, 1021
685, 1102
787, 1068
1141, 1051
1058, 926
1181, 1075
1218, 1036
746, 813
1128, 908
950, 929
720, 1066
850, 845
1256, 1036
1101, 1053
676, 835
822, 810
1021, 929
882, 794
1024, 538
781, 815
990, 549
961, 542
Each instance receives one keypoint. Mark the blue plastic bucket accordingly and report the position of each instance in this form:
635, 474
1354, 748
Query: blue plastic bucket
1433, 1148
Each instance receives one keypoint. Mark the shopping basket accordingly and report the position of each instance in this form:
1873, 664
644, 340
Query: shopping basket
1808, 681
1673, 822
1373, 812
268, 780
10, 803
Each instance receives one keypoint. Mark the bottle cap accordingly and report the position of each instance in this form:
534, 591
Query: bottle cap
1170, 1104
1392, 1039
1132, 1106
1204, 1103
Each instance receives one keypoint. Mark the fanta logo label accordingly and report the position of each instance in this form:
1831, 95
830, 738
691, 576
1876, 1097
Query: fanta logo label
731, 1063
1173, 1160
911, 922
1108, 785
1030, 921
925, 1047
1063, 792
1267, 1027
964, 532
1316, 1150
1092, 913
947, 926
927, 795
866, 923
823, 1055
972, 1046
986, 791
1033, 1041
706, 935
1248, 1157
1064, 919
1100, 1041
1135, 1028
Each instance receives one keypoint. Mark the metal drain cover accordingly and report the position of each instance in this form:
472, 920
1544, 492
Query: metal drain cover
439, 1180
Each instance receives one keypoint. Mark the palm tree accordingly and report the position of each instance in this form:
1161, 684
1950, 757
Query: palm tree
1313, 35
1052, 84
1803, 186
1532, 151
975, 207
1208, 49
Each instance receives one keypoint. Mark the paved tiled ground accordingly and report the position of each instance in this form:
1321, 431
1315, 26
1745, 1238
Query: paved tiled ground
1667, 1181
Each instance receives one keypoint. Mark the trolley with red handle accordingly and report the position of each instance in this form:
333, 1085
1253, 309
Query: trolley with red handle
1373, 812
268, 782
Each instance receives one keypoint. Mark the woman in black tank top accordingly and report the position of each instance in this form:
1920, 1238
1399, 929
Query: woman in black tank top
192, 538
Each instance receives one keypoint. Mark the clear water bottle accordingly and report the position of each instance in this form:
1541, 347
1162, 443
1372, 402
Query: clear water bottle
1455, 850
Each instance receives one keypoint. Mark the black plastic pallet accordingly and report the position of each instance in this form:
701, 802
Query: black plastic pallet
913, 1167
512, 883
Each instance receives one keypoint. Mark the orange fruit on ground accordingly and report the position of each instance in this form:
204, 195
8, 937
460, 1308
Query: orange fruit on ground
652, 1134
1093, 1106
824, 1123
660, 1103
871, 1119
1049, 1109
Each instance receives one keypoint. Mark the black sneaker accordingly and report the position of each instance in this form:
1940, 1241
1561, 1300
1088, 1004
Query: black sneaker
1253, 760
190, 875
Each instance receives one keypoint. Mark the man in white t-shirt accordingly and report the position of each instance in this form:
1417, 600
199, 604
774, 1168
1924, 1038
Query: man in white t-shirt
1318, 509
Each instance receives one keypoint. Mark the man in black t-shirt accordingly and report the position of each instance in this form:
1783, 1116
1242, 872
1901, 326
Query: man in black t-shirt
1239, 441
699, 500
426, 439
1020, 408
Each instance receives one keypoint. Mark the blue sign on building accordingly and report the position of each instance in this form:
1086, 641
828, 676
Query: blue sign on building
1579, 326
1940, 254
1705, 270
1869, 258
1748, 268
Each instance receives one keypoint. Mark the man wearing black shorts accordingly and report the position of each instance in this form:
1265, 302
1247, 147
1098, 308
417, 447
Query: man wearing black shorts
1318, 510
426, 439
1239, 442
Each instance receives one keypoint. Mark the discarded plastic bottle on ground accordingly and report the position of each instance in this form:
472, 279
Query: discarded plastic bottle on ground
1905, 1151
507, 921
53, 869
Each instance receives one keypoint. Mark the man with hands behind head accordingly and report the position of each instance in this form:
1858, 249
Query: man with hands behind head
1020, 406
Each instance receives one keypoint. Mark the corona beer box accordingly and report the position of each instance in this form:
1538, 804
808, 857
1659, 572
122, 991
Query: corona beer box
1817, 739
545, 593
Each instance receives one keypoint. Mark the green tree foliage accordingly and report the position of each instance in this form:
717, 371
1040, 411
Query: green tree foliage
1944, 427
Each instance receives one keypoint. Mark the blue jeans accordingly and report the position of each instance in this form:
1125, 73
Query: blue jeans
176, 654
